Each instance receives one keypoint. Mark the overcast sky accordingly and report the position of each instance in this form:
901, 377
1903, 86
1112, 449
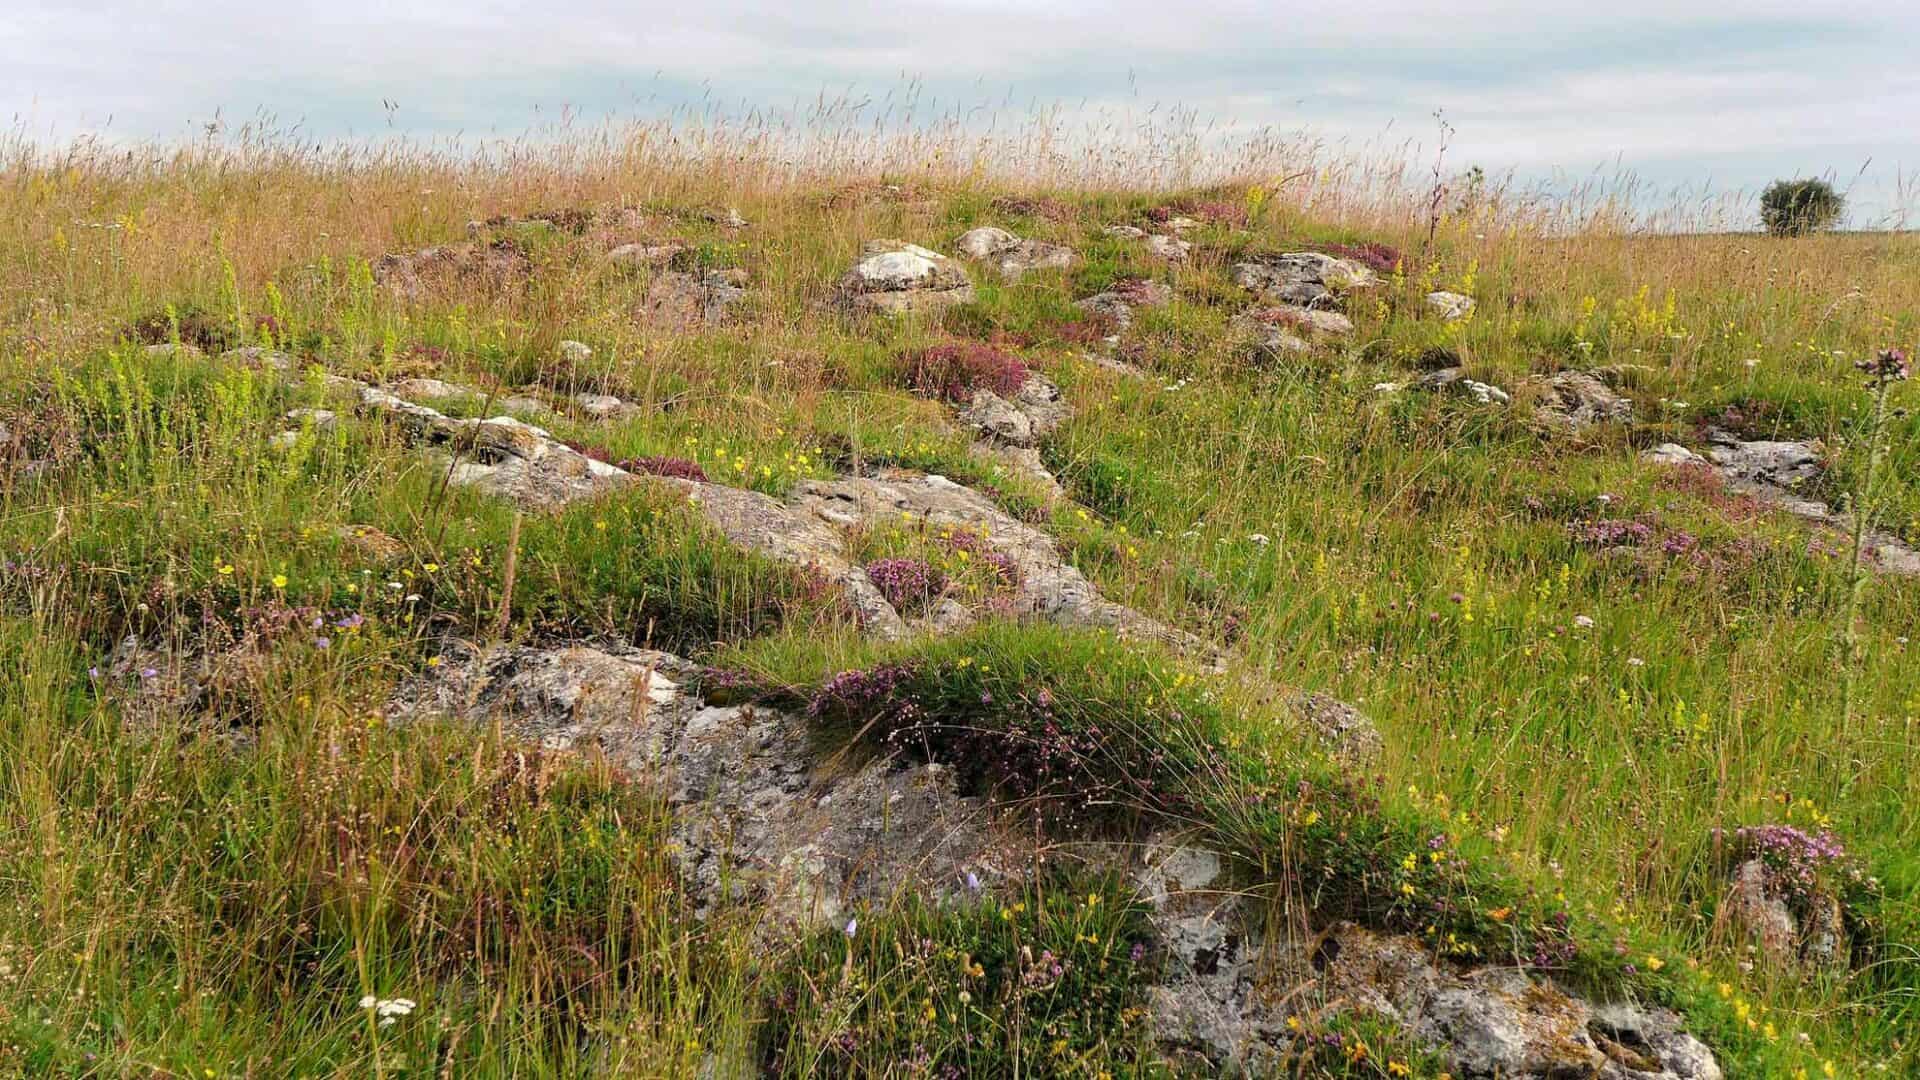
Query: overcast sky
1683, 92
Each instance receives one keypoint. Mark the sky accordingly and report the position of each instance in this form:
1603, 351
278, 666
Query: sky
1687, 95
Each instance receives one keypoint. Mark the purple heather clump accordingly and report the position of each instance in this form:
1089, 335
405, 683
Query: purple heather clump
678, 468
953, 372
907, 584
975, 545
1611, 532
1380, 258
860, 692
1792, 856
1679, 542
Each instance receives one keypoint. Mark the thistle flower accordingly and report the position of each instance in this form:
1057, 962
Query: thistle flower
1887, 365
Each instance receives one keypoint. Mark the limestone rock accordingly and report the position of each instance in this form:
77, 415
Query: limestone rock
894, 278
1455, 379
1011, 255
1169, 248
1291, 318
1575, 400
1049, 587
996, 419
1803, 931
417, 390
1303, 278
1774, 472
1670, 454
1450, 305
760, 813
1125, 232
526, 404
604, 406
1228, 988
1118, 303
1007, 431
1774, 464
501, 456
643, 256
1033, 413
1346, 729
763, 524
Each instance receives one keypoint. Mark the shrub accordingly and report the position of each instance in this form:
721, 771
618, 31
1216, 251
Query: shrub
1798, 207
954, 371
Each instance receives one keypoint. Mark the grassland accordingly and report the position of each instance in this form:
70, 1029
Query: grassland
211, 891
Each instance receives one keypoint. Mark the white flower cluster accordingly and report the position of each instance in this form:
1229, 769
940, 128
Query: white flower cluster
388, 1009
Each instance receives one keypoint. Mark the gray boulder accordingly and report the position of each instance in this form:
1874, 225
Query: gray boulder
645, 256
1169, 248
897, 278
1575, 400
1450, 305
501, 456
1304, 278
1011, 255
1670, 454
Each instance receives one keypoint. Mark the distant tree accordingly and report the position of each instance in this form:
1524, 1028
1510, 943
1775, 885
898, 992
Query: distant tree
1798, 207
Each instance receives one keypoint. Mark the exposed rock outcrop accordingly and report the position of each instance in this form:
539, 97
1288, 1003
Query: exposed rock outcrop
1345, 729
1302, 278
501, 456
897, 278
1117, 303
1455, 380
1288, 329
646, 255
1575, 400
1169, 248
1010, 254
1048, 586
1008, 430
1450, 305
1776, 472
760, 813
1232, 981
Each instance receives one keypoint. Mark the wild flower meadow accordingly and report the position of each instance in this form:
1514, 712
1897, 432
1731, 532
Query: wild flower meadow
1591, 675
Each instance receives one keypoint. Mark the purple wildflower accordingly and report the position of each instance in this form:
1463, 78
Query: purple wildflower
907, 584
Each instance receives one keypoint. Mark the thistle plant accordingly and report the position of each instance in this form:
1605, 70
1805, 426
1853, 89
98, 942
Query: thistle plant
1883, 370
